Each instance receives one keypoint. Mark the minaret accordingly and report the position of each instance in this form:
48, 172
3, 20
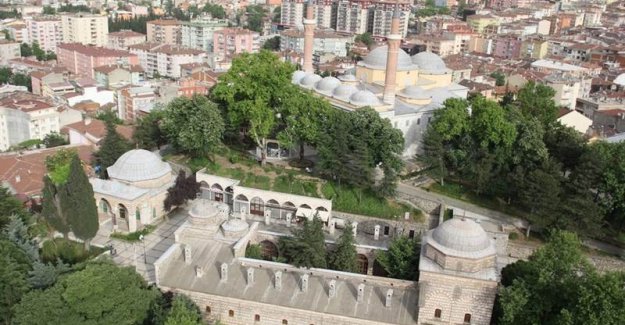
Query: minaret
309, 33
391, 59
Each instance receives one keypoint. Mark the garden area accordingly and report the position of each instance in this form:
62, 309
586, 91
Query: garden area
68, 251
283, 177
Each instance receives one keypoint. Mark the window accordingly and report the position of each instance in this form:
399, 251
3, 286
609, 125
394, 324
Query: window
467, 318
418, 121
285, 322
257, 318
231, 313
207, 310
387, 230
437, 313
411, 234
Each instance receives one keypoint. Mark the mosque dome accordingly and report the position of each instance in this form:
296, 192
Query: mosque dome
364, 98
462, 235
620, 79
310, 80
344, 91
429, 62
138, 165
414, 92
297, 76
377, 59
234, 228
348, 78
327, 84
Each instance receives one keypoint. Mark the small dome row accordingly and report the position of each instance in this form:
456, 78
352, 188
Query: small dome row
332, 86
424, 61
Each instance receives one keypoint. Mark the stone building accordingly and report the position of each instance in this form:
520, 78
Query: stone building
133, 195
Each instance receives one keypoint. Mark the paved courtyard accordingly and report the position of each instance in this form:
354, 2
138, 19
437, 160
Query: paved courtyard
142, 255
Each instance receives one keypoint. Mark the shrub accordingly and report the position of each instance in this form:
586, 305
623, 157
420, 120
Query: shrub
513, 236
134, 236
69, 252
254, 251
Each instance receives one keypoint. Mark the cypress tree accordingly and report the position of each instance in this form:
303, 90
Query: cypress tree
344, 257
113, 146
53, 210
82, 211
307, 246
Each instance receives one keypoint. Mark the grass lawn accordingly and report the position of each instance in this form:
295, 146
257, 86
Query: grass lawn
68, 251
461, 192
134, 236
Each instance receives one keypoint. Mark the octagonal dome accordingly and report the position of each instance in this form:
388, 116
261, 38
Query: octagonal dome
376, 59
310, 80
138, 165
297, 76
364, 98
414, 92
462, 235
344, 91
429, 62
327, 84
620, 79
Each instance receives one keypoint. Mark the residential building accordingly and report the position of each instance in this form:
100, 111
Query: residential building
383, 14
115, 76
90, 132
85, 28
232, 41
39, 79
124, 38
575, 120
26, 118
9, 50
164, 59
326, 41
18, 31
165, 31
534, 48
132, 102
87, 91
81, 59
480, 22
568, 88
352, 16
507, 46
292, 12
46, 31
198, 33
324, 13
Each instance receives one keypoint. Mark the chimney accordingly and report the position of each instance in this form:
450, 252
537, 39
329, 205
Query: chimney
250, 276
18, 178
391, 59
361, 292
87, 120
277, 280
224, 272
332, 289
389, 297
304, 282
309, 34
187, 254
199, 271
376, 232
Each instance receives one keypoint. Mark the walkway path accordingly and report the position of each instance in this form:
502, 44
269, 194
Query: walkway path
142, 255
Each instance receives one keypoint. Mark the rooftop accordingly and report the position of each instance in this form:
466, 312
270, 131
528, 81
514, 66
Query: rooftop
93, 50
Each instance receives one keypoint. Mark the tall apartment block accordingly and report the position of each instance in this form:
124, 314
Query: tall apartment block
84, 28
198, 33
166, 31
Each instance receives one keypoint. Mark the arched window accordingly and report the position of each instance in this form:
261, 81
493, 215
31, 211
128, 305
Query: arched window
437, 313
207, 310
231, 313
257, 318
285, 322
467, 318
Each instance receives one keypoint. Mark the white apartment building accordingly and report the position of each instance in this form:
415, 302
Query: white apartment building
165, 59
46, 31
325, 41
292, 13
323, 13
9, 50
382, 16
26, 119
352, 16
84, 28
568, 88
198, 33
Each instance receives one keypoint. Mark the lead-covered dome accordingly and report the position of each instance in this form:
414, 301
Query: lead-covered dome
620, 79
327, 84
364, 98
376, 59
430, 62
138, 165
344, 91
414, 92
297, 76
310, 80
462, 235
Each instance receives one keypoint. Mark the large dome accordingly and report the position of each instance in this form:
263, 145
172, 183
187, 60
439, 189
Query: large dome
364, 98
310, 80
620, 79
327, 84
377, 59
462, 235
414, 92
344, 91
138, 165
297, 76
430, 62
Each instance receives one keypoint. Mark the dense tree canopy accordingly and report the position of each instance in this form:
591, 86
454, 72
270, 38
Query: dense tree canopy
344, 257
9, 206
307, 246
401, 260
112, 147
148, 134
184, 189
83, 214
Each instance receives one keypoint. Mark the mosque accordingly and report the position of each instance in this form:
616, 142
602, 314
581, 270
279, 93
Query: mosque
406, 90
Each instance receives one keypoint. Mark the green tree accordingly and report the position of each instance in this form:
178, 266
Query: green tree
54, 208
184, 189
113, 146
365, 38
26, 50
536, 100
53, 139
307, 246
14, 266
109, 116
47, 10
540, 194
5, 75
500, 78
44, 275
401, 260
344, 257
565, 145
272, 44
193, 125
9, 206
20, 79
101, 293
255, 16
251, 93
215, 10
433, 155
148, 134
183, 312
277, 14
83, 216
254, 251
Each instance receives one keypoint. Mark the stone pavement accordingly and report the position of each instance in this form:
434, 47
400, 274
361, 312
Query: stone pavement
142, 255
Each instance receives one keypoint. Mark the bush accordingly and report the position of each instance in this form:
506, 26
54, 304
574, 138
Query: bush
254, 251
197, 163
69, 252
513, 236
134, 236
233, 158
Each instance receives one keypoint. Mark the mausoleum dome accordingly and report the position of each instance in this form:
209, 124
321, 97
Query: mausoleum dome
138, 165
462, 235
364, 98
310, 80
327, 84
297, 76
429, 62
376, 59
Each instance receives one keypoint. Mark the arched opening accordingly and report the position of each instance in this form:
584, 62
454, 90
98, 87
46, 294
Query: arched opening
218, 192
105, 206
305, 206
205, 190
241, 204
274, 207
228, 195
438, 313
207, 310
123, 212
467, 318
321, 209
378, 269
269, 250
363, 264
288, 207
257, 206
231, 313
